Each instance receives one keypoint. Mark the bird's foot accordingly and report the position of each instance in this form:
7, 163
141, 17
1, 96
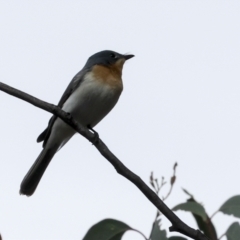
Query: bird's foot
69, 115
96, 135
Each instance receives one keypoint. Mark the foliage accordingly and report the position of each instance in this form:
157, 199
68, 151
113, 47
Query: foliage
111, 229
108, 229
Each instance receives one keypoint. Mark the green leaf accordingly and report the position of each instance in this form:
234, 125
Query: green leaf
157, 233
188, 193
177, 238
192, 207
108, 229
207, 226
231, 206
204, 224
233, 231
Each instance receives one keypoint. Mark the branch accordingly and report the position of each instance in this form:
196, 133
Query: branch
172, 181
177, 224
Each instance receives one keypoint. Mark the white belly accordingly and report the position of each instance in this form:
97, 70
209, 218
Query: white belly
91, 102
88, 104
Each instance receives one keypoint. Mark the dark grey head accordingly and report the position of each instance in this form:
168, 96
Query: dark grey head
106, 58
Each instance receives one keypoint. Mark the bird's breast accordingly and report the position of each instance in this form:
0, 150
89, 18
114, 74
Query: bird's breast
110, 76
93, 99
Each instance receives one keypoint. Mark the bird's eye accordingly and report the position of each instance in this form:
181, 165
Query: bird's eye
113, 55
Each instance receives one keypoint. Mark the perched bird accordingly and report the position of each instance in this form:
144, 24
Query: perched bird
89, 97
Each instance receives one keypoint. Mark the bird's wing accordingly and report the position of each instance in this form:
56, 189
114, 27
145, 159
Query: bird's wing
73, 85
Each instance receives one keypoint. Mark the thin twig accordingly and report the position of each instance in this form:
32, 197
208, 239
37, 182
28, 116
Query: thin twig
154, 183
177, 224
214, 214
224, 234
161, 185
172, 181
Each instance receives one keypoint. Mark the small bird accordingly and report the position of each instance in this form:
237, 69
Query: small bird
89, 97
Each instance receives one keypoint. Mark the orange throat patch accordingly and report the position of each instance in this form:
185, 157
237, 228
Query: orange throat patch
110, 75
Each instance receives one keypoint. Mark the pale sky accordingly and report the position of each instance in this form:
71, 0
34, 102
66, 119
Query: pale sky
180, 103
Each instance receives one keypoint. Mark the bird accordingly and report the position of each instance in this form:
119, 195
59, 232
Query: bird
89, 97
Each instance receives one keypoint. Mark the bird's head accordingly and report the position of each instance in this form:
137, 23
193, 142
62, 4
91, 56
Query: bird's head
109, 59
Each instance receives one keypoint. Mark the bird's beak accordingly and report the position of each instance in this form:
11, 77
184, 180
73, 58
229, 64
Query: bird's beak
126, 57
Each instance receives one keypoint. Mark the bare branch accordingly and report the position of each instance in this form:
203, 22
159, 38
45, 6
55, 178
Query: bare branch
155, 185
177, 224
172, 181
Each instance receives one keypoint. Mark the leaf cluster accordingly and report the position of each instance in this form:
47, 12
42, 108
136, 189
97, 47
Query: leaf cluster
112, 229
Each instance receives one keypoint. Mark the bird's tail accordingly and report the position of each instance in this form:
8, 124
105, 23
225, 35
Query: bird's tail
35, 173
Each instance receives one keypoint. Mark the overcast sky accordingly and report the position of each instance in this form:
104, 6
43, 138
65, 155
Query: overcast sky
180, 103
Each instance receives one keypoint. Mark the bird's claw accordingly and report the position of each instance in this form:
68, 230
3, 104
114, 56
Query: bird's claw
96, 136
